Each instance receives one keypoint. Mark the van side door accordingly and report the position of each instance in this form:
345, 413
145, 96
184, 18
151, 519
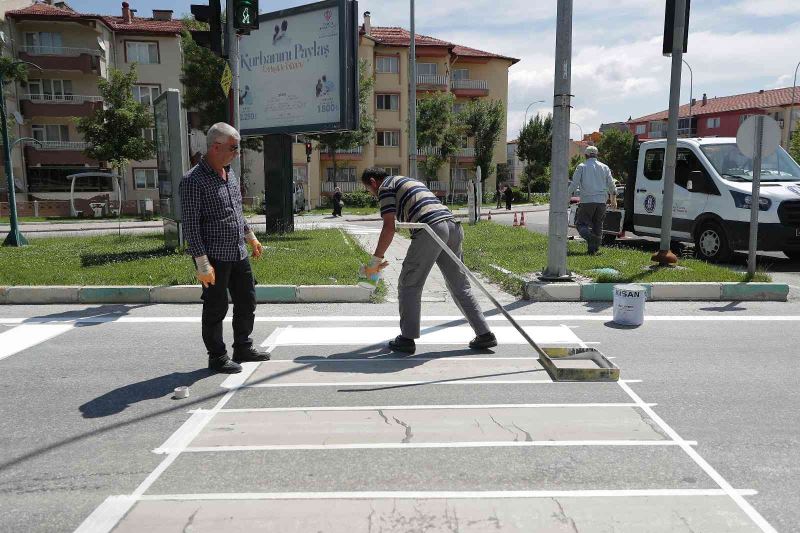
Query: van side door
649, 192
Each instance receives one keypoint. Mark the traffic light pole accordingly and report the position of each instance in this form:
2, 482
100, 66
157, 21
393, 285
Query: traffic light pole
14, 237
233, 58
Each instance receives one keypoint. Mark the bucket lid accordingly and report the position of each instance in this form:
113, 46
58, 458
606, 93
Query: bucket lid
630, 287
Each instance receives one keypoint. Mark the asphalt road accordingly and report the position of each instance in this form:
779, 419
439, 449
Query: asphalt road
338, 434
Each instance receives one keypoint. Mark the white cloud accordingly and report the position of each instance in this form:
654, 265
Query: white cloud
765, 8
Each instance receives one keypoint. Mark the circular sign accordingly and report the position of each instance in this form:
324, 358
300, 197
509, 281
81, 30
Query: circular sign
650, 203
746, 136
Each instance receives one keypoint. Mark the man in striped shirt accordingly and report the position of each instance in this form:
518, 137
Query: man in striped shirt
409, 200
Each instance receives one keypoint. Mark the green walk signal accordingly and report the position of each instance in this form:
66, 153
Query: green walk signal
245, 15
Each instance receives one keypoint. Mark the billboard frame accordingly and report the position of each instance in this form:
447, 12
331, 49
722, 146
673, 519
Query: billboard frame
348, 68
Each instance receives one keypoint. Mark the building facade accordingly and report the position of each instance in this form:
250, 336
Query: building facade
441, 66
722, 116
74, 51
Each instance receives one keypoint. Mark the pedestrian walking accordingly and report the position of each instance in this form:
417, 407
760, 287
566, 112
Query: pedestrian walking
509, 195
595, 185
216, 231
408, 200
498, 195
337, 202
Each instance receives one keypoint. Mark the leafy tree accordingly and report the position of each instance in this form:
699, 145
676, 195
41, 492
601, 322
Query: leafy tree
794, 146
330, 142
438, 128
615, 149
114, 132
536, 144
574, 162
535, 179
485, 121
11, 73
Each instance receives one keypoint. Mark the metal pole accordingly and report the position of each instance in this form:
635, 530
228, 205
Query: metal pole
579, 127
412, 99
524, 122
691, 92
557, 237
14, 237
233, 59
665, 255
755, 197
791, 109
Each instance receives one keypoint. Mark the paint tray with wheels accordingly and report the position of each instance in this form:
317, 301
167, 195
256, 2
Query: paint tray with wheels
562, 363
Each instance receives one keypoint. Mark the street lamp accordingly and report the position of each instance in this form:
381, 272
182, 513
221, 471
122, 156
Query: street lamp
527, 108
691, 88
579, 127
791, 109
14, 237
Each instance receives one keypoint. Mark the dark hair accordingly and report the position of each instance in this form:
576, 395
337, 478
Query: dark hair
378, 174
284, 25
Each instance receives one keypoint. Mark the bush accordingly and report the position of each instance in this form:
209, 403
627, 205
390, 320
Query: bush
359, 198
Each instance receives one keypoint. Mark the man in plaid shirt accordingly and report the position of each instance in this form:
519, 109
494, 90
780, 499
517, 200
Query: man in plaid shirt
215, 232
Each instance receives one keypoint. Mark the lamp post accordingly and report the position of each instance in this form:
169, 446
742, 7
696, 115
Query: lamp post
14, 237
412, 96
791, 109
527, 108
691, 89
579, 127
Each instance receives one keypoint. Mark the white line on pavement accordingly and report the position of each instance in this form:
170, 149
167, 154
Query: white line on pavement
403, 495
28, 335
422, 407
743, 504
401, 383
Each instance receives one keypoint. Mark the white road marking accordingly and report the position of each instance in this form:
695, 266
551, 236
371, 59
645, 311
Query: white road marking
743, 504
401, 383
422, 407
403, 495
28, 335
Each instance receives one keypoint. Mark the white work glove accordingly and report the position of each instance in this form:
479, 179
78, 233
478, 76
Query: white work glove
372, 271
258, 249
205, 272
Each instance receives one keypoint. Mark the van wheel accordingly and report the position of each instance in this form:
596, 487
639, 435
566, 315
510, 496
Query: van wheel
711, 243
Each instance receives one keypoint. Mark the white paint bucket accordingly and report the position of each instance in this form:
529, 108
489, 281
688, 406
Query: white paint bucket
181, 393
629, 304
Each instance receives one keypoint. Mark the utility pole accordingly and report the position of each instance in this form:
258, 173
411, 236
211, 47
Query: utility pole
557, 235
14, 237
233, 59
665, 256
412, 99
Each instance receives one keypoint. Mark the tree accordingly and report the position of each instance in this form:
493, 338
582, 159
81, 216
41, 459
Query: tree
615, 150
330, 142
536, 143
794, 146
535, 179
11, 73
485, 121
437, 128
114, 132
573, 164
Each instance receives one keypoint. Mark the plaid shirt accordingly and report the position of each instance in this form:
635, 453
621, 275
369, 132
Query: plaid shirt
213, 222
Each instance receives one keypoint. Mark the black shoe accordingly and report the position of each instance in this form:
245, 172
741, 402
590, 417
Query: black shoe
403, 344
224, 365
249, 355
482, 342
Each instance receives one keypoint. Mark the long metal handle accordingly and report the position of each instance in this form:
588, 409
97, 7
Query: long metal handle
446, 249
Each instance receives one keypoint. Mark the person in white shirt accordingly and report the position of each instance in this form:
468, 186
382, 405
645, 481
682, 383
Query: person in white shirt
595, 184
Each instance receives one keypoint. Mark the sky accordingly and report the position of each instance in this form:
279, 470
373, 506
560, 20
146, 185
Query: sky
735, 46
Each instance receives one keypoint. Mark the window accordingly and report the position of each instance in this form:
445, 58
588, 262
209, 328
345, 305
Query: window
388, 138
344, 174
388, 102
658, 129
50, 132
145, 178
392, 171
54, 179
426, 69
654, 164
299, 139
43, 42
50, 89
461, 173
712, 123
387, 65
685, 164
146, 94
141, 52
461, 74
300, 174
641, 129
149, 134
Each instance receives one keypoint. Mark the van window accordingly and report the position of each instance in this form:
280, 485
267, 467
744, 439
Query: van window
654, 164
685, 164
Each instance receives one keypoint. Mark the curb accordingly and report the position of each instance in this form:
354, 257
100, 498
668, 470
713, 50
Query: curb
177, 294
659, 292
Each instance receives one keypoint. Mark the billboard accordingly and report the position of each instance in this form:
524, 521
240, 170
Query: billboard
298, 73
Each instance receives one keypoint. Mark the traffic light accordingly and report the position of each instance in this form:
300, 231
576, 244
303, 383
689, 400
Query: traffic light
245, 15
309, 149
211, 39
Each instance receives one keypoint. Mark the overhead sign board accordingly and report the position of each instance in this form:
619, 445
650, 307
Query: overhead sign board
299, 71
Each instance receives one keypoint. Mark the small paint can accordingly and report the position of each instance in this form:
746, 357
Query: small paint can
181, 393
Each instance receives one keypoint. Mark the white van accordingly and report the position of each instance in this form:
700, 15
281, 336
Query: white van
713, 186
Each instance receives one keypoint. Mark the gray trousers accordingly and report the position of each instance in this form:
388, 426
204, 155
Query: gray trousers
422, 254
589, 223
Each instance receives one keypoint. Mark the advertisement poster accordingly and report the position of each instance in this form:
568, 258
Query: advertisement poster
291, 72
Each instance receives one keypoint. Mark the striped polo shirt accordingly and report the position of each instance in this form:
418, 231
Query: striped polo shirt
411, 201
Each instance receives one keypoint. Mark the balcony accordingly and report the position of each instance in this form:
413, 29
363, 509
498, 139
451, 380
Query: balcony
45, 105
470, 88
57, 153
347, 153
428, 82
465, 152
429, 150
86, 60
344, 186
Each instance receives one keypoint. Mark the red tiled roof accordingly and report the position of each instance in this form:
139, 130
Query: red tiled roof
394, 36
137, 24
737, 102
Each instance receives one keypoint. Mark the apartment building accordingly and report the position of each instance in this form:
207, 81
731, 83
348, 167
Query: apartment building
441, 66
74, 51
